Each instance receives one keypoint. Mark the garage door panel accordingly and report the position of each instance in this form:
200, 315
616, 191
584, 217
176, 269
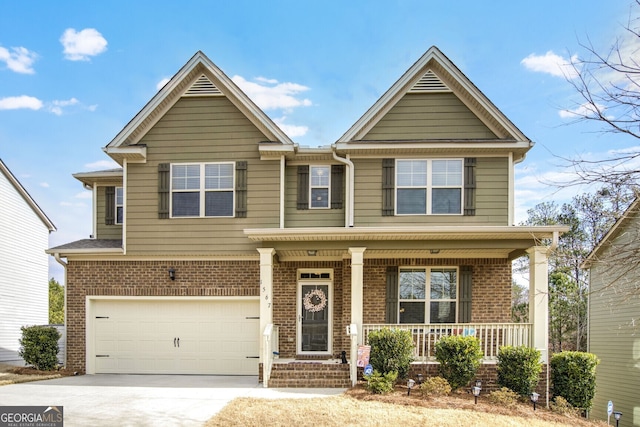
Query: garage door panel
141, 336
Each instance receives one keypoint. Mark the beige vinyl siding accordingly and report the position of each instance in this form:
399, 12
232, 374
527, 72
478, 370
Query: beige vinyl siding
492, 197
206, 129
104, 231
295, 218
429, 116
614, 337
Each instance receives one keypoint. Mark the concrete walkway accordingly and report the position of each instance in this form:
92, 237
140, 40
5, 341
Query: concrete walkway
144, 400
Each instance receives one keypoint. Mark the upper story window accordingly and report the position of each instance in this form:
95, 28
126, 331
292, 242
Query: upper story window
320, 186
429, 186
202, 190
119, 206
428, 293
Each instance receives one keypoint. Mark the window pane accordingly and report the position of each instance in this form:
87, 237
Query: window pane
320, 176
442, 312
412, 201
218, 203
185, 177
446, 201
443, 284
447, 172
412, 284
118, 196
119, 212
412, 173
218, 176
412, 312
186, 204
319, 197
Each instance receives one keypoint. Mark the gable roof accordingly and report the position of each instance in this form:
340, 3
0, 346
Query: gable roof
198, 77
27, 198
434, 72
619, 226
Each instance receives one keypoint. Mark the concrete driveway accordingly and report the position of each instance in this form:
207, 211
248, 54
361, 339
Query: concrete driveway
144, 400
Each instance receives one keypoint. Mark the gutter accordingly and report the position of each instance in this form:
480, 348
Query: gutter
349, 204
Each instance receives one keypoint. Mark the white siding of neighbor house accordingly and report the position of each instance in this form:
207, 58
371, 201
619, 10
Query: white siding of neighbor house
24, 285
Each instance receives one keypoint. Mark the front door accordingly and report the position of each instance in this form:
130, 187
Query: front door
314, 317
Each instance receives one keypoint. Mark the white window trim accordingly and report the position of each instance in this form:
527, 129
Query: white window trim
116, 206
429, 187
201, 190
427, 292
311, 187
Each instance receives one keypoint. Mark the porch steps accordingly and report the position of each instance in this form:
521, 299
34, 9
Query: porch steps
310, 374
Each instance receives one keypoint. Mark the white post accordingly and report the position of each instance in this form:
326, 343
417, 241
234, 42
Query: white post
539, 299
357, 270
266, 292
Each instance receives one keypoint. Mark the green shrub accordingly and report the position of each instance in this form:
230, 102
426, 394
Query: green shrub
435, 386
573, 376
39, 347
391, 351
459, 359
504, 397
378, 383
561, 406
519, 369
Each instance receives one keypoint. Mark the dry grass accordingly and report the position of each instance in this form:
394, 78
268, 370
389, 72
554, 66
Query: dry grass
358, 407
10, 374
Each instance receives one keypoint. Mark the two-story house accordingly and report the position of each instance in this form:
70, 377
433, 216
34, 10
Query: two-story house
221, 244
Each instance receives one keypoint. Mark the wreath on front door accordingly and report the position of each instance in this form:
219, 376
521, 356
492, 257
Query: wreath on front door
315, 301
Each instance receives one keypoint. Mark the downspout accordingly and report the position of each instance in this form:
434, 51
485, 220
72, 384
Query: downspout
94, 202
349, 205
56, 256
282, 178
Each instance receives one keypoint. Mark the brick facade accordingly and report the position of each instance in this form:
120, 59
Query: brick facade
491, 291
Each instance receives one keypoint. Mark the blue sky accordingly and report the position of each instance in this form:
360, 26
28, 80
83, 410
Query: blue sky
73, 73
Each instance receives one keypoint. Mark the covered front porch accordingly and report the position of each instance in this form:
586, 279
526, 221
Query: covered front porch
360, 276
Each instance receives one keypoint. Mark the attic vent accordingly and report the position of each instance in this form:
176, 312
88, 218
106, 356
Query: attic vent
429, 82
203, 87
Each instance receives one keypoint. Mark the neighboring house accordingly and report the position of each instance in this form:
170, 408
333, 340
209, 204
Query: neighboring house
24, 282
614, 317
221, 242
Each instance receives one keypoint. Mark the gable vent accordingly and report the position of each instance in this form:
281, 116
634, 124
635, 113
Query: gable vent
429, 82
203, 87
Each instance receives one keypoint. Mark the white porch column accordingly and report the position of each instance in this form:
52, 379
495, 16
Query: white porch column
357, 268
539, 299
266, 291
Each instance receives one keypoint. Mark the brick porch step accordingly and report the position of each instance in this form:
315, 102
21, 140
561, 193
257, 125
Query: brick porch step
309, 374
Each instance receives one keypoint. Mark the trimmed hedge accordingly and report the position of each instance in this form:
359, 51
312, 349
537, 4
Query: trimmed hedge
39, 347
459, 359
519, 369
391, 351
573, 376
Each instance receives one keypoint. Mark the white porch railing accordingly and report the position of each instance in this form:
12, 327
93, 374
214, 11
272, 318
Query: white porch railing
492, 336
270, 349
352, 331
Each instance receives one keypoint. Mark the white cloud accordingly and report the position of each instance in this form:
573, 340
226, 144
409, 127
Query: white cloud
102, 164
73, 205
18, 59
268, 94
162, 82
83, 195
551, 63
44, 185
56, 107
20, 102
80, 46
291, 130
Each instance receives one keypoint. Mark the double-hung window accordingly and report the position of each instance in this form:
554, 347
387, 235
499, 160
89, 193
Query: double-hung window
429, 186
202, 190
119, 206
428, 293
320, 186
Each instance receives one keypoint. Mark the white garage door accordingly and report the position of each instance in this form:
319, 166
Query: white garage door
176, 337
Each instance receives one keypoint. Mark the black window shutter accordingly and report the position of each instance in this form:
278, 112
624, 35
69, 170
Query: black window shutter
470, 186
163, 190
337, 186
466, 273
388, 184
303, 187
392, 296
110, 205
241, 189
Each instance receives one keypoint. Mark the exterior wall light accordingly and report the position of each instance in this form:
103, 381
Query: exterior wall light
534, 399
312, 252
172, 274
